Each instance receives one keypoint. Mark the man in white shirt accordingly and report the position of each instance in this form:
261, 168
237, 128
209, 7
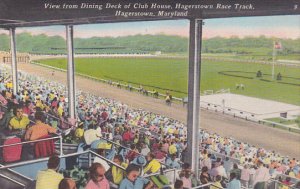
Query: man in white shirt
145, 150
261, 174
92, 134
206, 162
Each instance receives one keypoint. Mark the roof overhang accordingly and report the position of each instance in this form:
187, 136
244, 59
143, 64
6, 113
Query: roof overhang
28, 13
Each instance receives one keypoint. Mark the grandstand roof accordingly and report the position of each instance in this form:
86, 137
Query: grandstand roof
26, 13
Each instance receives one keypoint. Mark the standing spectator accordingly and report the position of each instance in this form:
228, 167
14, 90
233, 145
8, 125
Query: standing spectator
245, 176
234, 183
237, 171
228, 165
204, 176
261, 175
49, 178
206, 162
97, 177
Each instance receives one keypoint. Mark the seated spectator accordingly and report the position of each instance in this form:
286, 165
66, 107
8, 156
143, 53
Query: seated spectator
286, 183
19, 121
127, 136
178, 184
172, 162
117, 173
217, 184
133, 153
97, 177
67, 183
145, 149
79, 131
172, 148
234, 183
49, 178
160, 182
40, 129
153, 165
133, 181
160, 155
92, 134
140, 161
8, 114
187, 176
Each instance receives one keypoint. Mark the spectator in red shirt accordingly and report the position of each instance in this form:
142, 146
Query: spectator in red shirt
133, 153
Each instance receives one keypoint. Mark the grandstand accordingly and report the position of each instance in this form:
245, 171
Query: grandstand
21, 57
95, 129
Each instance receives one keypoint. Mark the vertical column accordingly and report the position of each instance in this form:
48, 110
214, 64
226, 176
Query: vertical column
193, 117
13, 53
71, 71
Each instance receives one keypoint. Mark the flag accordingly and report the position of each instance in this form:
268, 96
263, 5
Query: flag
277, 45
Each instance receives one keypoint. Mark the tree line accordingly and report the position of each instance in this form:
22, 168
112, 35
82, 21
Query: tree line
43, 44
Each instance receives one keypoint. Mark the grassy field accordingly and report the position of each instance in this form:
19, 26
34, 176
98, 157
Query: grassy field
171, 74
286, 122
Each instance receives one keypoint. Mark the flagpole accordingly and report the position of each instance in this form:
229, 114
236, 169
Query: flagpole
273, 62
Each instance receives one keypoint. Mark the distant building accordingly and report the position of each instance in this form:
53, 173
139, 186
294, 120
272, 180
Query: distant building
157, 53
5, 57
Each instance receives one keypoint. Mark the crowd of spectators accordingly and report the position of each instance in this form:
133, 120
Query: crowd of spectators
152, 141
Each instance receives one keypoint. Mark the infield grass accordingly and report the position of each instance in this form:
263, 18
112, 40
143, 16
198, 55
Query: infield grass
171, 74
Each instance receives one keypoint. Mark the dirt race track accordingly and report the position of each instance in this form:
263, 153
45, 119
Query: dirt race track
284, 142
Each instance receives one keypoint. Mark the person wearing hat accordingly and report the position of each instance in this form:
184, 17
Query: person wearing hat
133, 179
139, 161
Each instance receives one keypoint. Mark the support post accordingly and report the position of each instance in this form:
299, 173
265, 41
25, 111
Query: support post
12, 33
193, 117
273, 61
71, 71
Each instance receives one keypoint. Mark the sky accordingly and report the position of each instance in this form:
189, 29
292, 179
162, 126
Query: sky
271, 26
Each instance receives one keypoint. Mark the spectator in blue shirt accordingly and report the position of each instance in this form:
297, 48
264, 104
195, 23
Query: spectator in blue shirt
234, 183
133, 179
172, 162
